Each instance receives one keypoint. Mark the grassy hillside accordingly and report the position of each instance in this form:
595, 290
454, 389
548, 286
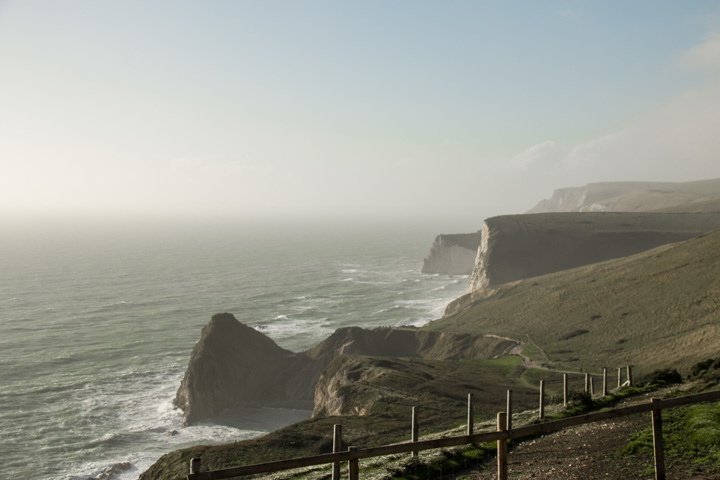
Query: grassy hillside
700, 206
656, 309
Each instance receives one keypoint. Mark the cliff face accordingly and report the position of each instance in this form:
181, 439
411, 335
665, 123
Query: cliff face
234, 365
515, 247
452, 254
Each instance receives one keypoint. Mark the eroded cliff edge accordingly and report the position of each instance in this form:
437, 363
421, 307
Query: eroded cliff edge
234, 365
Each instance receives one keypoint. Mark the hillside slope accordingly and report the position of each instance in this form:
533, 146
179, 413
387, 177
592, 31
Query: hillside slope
655, 309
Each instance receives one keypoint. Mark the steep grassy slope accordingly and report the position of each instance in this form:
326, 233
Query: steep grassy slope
656, 309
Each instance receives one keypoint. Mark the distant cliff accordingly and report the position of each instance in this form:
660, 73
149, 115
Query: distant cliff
515, 247
452, 254
698, 196
234, 365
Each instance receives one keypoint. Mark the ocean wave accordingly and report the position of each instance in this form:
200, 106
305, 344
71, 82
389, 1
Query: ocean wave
388, 309
100, 365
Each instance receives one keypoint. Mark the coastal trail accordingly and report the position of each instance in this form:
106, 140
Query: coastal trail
527, 362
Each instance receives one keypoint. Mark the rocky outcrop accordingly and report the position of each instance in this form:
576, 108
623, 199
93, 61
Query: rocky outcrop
354, 385
515, 247
634, 197
452, 254
234, 365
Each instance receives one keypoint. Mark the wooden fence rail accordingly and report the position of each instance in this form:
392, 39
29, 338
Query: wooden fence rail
353, 454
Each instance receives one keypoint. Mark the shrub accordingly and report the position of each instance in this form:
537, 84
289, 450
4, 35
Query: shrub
665, 376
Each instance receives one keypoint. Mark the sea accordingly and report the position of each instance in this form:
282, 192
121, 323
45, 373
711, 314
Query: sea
98, 320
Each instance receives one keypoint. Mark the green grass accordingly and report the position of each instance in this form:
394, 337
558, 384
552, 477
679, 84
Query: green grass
534, 352
692, 440
509, 366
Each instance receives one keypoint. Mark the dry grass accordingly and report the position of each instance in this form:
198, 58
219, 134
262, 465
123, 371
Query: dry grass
652, 310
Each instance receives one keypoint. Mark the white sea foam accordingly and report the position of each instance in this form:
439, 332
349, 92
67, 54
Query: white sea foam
284, 326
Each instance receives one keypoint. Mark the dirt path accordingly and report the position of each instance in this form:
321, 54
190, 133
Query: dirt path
582, 453
585, 452
526, 360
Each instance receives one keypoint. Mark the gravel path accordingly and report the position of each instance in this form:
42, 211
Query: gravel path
585, 452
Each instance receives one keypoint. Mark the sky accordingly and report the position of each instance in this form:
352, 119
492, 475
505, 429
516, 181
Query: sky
445, 112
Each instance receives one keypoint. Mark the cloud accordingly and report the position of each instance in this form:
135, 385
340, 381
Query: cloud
677, 142
538, 156
703, 56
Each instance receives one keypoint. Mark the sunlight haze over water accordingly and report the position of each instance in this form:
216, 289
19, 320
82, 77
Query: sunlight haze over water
403, 109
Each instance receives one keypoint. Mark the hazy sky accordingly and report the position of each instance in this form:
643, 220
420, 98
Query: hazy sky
395, 108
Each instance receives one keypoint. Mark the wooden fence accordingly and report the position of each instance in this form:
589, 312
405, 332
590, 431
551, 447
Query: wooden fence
504, 432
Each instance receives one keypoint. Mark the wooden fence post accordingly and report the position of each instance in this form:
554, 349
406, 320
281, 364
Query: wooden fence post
565, 389
658, 441
353, 466
604, 382
629, 375
592, 386
541, 413
194, 465
509, 411
470, 419
587, 382
337, 447
414, 432
501, 448
619, 377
